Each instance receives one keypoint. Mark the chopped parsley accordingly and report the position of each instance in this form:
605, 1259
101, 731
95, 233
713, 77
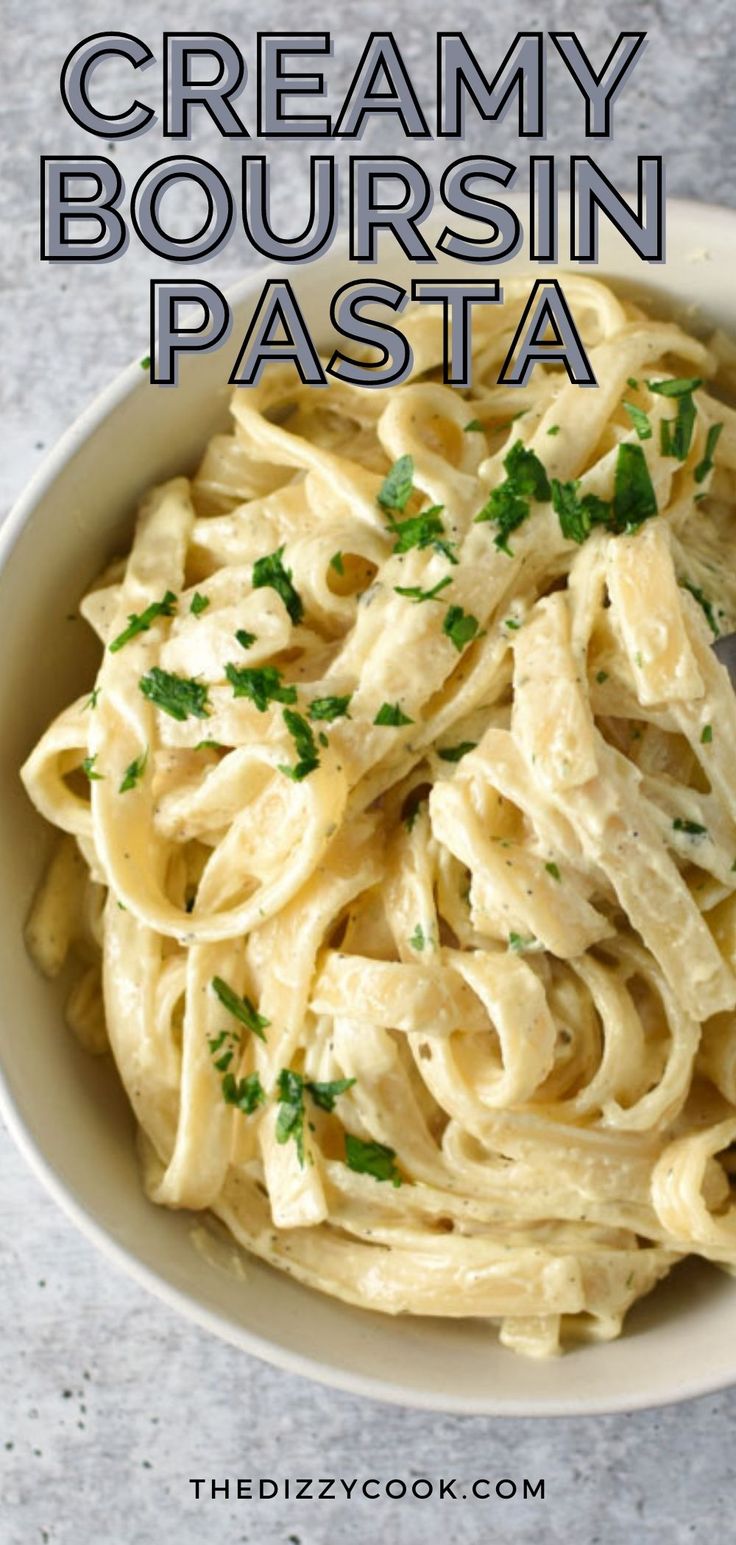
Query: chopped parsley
634, 500
601, 676
337, 564
554, 871
518, 944
199, 603
330, 707
640, 420
690, 828
706, 735
178, 696
209, 745
270, 571
245, 639
474, 427
507, 506
705, 605
397, 486
577, 516
88, 767
134, 772
92, 699
263, 684
305, 745
375, 1159
675, 434
633, 383
245, 1093
291, 1088
678, 388
423, 530
459, 626
456, 753
416, 594
554, 429
241, 1008
145, 362
418, 938
706, 465
391, 714
139, 623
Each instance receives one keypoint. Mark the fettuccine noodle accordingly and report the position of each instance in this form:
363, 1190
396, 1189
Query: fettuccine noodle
399, 863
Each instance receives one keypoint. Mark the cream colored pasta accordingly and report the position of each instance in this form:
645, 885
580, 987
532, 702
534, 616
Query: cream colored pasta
401, 845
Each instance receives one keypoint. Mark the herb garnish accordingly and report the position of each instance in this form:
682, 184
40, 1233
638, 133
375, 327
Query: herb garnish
144, 620
241, 1008
423, 530
706, 736
554, 871
92, 699
703, 602
416, 594
391, 714
578, 516
271, 572
474, 427
418, 938
291, 1087
199, 603
337, 564
640, 420
678, 388
375, 1159
245, 639
134, 772
690, 828
396, 488
330, 707
246, 1093
459, 626
263, 684
706, 465
507, 505
517, 943
175, 695
456, 753
88, 767
305, 744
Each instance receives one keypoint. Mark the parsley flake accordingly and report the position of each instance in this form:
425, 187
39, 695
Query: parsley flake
690, 828
139, 623
391, 714
88, 767
677, 388
263, 684
705, 605
675, 434
577, 516
337, 564
305, 745
92, 699
375, 1159
518, 944
640, 420
416, 594
474, 427
291, 1088
634, 499
507, 506
270, 571
199, 603
178, 696
134, 772
330, 707
706, 735
245, 1093
245, 639
241, 1008
554, 871
423, 530
397, 486
418, 938
460, 627
706, 465
456, 753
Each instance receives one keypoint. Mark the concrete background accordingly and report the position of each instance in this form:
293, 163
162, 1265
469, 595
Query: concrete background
109, 1402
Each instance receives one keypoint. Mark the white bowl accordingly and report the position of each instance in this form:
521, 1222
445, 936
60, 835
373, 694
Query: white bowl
67, 1109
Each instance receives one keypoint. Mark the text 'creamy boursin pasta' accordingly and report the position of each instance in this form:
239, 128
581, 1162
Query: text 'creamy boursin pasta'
400, 854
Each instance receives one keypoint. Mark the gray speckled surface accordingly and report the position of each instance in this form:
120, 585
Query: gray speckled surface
109, 1402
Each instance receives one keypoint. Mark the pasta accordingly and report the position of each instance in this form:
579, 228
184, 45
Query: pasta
398, 864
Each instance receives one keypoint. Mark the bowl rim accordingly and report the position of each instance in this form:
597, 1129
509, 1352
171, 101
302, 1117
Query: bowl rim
98, 409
